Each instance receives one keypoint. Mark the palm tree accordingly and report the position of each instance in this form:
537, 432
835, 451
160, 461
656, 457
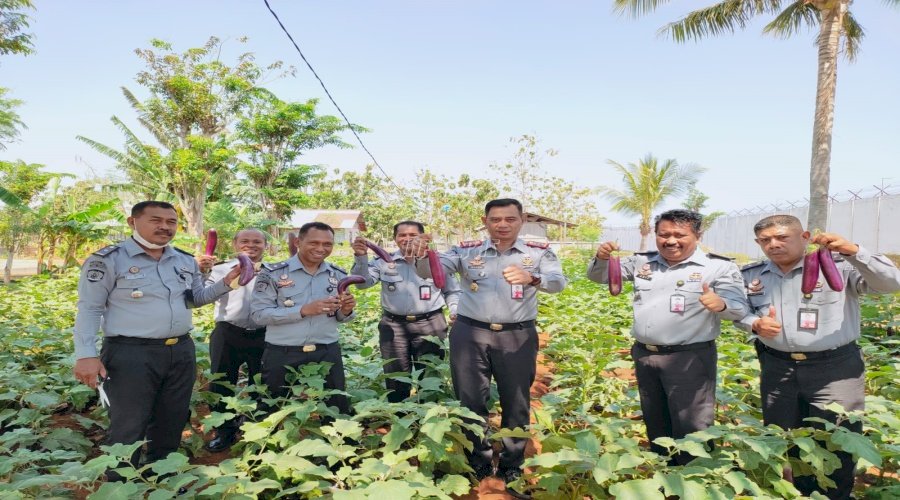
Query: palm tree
838, 31
647, 184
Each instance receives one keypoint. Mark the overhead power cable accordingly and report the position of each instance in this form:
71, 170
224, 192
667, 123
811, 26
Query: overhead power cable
349, 125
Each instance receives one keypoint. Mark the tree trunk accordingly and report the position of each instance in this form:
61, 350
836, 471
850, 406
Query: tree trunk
820, 165
7, 269
192, 207
644, 234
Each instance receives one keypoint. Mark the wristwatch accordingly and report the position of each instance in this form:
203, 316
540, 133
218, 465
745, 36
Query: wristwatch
535, 279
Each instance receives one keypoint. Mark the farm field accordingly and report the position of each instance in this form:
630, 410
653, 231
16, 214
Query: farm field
588, 439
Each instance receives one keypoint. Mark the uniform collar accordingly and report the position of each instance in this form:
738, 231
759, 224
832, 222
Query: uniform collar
396, 255
773, 267
294, 264
132, 248
518, 245
698, 257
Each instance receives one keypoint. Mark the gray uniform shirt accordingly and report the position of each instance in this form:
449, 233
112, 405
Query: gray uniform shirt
235, 306
655, 282
838, 315
282, 289
486, 296
401, 287
113, 276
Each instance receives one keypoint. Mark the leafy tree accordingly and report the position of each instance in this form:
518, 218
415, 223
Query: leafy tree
696, 201
20, 182
838, 31
273, 136
517, 176
12, 24
10, 123
564, 200
647, 184
450, 209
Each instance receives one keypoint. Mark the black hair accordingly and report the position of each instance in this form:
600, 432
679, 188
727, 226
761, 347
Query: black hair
777, 220
314, 225
138, 209
419, 225
503, 202
680, 216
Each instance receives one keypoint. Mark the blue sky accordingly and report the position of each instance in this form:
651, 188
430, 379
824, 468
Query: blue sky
444, 85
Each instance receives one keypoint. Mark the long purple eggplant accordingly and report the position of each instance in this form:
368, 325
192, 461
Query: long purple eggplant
615, 275
247, 270
832, 275
437, 269
810, 272
212, 237
293, 244
380, 252
353, 279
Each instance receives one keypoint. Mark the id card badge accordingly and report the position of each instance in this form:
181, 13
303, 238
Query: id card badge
808, 319
425, 292
676, 303
517, 292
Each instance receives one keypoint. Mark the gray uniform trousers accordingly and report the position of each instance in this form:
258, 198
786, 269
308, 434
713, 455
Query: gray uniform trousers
404, 343
794, 390
678, 392
149, 387
277, 358
476, 354
230, 347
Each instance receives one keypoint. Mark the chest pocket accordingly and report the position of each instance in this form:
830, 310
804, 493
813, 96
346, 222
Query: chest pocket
760, 303
825, 297
185, 278
126, 287
476, 273
390, 282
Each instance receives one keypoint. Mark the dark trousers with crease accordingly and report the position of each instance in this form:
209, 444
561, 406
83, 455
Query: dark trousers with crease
794, 390
276, 359
476, 355
149, 389
404, 343
678, 393
230, 347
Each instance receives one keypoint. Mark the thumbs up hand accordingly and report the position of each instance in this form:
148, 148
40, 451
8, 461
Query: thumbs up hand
711, 301
768, 326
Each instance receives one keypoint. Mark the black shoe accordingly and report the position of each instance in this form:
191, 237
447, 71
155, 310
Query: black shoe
510, 476
221, 442
482, 471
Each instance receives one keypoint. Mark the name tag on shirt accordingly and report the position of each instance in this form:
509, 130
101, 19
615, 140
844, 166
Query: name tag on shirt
425, 292
808, 319
135, 276
517, 292
676, 303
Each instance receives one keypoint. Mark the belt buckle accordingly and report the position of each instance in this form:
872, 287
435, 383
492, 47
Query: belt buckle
171, 341
309, 348
496, 327
798, 356
411, 317
651, 347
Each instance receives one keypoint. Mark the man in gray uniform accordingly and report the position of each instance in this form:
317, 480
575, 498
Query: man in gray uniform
806, 344
236, 339
140, 292
494, 333
413, 309
680, 296
298, 303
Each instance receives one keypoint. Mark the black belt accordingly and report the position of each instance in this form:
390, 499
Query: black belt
497, 327
256, 331
806, 356
146, 341
301, 348
676, 348
412, 317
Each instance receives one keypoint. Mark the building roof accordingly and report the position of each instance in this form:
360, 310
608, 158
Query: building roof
337, 219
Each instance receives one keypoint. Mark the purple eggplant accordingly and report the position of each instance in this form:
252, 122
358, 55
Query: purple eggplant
437, 269
353, 279
615, 275
810, 272
212, 237
247, 269
293, 244
380, 252
832, 274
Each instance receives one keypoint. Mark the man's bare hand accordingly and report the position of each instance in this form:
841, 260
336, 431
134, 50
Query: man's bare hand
87, 370
767, 326
605, 249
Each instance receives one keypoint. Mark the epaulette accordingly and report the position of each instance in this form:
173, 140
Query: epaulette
336, 268
103, 252
275, 266
538, 244
753, 265
469, 244
720, 257
648, 252
189, 254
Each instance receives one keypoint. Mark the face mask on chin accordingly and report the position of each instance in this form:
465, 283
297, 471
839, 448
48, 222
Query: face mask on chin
146, 244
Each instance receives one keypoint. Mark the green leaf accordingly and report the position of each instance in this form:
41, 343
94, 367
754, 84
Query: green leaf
741, 483
856, 444
174, 462
115, 491
42, 399
395, 438
454, 484
637, 489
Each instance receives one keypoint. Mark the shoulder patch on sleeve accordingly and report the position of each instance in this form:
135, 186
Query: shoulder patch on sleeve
469, 244
720, 257
753, 265
183, 251
538, 244
275, 266
103, 252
